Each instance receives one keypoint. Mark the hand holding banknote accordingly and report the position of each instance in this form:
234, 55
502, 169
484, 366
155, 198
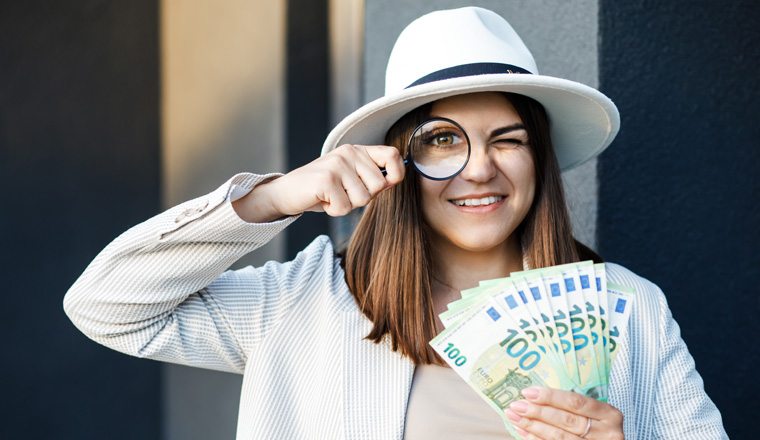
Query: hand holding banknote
549, 413
538, 347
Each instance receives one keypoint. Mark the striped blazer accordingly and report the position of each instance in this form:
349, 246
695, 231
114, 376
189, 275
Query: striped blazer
162, 291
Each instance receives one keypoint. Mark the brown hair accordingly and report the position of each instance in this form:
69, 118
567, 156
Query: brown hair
388, 260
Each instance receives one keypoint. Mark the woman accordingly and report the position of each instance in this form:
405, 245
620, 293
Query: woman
337, 347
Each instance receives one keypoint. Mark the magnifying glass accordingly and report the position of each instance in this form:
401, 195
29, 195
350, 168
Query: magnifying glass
438, 149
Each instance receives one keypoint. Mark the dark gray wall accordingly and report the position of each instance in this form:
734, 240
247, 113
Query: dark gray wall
678, 199
79, 158
308, 109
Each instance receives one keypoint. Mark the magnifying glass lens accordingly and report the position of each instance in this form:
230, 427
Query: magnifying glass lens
439, 149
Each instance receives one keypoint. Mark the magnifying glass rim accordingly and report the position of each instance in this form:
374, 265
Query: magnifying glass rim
410, 159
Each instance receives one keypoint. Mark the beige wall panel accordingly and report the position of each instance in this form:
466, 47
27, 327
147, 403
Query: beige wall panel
222, 91
223, 98
346, 27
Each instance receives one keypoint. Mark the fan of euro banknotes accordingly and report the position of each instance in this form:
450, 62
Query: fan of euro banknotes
557, 327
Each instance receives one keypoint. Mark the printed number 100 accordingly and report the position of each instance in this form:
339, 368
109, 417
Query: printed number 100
453, 353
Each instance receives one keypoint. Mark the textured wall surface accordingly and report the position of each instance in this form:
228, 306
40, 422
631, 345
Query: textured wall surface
679, 187
79, 163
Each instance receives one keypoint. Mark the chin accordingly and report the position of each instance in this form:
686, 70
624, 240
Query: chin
475, 237
481, 242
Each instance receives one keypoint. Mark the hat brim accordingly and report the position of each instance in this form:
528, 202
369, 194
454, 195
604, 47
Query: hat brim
582, 120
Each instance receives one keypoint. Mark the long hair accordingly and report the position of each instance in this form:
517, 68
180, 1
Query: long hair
388, 261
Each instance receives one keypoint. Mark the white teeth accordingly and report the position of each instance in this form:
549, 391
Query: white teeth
478, 202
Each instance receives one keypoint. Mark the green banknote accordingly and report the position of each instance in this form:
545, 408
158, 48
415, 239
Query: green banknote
537, 294
529, 286
620, 298
460, 308
586, 276
596, 384
559, 327
560, 307
519, 295
519, 311
496, 358
600, 274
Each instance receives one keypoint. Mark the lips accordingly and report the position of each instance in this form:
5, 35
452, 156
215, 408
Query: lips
477, 201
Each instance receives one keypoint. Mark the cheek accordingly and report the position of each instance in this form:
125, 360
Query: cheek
523, 178
430, 194
530, 183
520, 170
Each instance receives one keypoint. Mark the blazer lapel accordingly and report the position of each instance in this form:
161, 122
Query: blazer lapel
376, 383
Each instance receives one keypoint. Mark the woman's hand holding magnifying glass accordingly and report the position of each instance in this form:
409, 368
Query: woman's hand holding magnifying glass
336, 183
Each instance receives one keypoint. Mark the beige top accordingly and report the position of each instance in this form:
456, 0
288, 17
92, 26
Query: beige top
442, 406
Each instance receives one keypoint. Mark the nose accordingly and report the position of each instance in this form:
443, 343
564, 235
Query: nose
480, 167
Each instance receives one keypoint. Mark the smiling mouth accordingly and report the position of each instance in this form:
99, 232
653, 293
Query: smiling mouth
483, 201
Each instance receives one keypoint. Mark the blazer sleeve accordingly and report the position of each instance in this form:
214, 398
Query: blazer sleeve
682, 409
654, 380
160, 290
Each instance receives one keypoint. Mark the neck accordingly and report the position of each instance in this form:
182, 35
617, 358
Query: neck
462, 269
457, 269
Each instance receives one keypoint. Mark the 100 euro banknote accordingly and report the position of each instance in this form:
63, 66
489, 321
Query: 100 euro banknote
493, 354
490, 351
564, 323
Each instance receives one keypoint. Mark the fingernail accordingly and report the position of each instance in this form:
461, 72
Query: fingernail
520, 407
513, 416
521, 431
530, 393
388, 187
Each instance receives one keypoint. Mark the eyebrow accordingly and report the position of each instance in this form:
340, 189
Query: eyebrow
507, 129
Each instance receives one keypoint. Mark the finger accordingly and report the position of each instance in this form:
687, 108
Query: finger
341, 187
355, 160
537, 429
334, 199
390, 159
351, 176
369, 172
567, 400
558, 418
356, 190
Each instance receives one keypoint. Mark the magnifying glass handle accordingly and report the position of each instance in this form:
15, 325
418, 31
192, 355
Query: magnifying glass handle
382, 170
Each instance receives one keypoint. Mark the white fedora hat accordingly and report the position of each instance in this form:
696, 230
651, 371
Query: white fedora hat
469, 50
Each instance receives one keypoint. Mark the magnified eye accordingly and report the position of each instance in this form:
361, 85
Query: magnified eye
439, 148
443, 139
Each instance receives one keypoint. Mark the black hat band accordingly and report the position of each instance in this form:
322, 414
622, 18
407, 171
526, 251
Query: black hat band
469, 70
